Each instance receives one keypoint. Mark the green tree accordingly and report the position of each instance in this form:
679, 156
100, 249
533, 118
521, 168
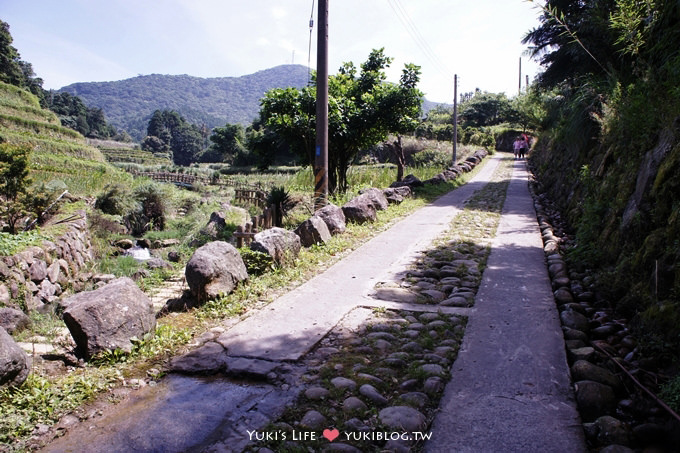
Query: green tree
15, 71
168, 131
362, 109
10, 69
486, 109
14, 183
229, 141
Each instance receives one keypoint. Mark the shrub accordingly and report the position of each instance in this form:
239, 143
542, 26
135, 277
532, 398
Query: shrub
115, 200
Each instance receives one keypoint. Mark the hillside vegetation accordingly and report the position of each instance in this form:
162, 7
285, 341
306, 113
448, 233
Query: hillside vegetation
610, 154
129, 103
59, 155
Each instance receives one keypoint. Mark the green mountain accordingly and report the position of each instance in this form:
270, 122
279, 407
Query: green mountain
128, 104
213, 102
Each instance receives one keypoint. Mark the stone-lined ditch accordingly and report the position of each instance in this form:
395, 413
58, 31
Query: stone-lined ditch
618, 416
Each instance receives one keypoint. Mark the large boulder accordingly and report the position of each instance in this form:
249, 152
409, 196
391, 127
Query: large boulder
13, 320
280, 244
14, 363
313, 231
215, 268
108, 318
360, 210
334, 218
377, 197
395, 195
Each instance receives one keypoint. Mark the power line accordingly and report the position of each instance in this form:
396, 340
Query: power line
420, 41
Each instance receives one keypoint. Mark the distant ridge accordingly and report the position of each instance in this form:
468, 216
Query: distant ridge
129, 103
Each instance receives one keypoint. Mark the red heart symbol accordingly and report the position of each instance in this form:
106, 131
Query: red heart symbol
331, 434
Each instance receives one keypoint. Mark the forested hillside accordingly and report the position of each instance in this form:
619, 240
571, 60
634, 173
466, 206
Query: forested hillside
128, 104
609, 154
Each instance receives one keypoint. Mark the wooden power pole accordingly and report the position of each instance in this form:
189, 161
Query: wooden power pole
455, 118
321, 151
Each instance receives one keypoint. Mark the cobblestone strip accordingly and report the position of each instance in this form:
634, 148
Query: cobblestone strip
375, 381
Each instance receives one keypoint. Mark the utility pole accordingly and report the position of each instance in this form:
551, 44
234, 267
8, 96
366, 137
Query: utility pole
519, 90
455, 118
321, 151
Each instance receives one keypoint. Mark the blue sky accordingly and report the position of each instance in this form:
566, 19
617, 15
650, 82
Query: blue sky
70, 41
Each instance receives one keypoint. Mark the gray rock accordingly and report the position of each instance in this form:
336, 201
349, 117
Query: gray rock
108, 318
14, 363
373, 395
13, 321
317, 393
585, 353
280, 244
158, 263
343, 383
250, 368
611, 431
455, 301
360, 210
432, 369
403, 418
574, 320
353, 405
582, 370
37, 272
208, 359
594, 399
313, 231
416, 399
396, 195
563, 296
433, 385
334, 218
409, 181
377, 197
434, 295
313, 420
402, 295
216, 224
215, 268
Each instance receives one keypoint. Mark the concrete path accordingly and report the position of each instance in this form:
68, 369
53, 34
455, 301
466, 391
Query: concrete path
510, 389
291, 325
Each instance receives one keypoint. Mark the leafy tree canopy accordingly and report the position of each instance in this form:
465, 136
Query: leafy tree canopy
362, 110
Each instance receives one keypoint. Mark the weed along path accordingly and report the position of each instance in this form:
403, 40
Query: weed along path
358, 358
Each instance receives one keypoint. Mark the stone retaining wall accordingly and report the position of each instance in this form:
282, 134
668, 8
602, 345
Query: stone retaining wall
36, 276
